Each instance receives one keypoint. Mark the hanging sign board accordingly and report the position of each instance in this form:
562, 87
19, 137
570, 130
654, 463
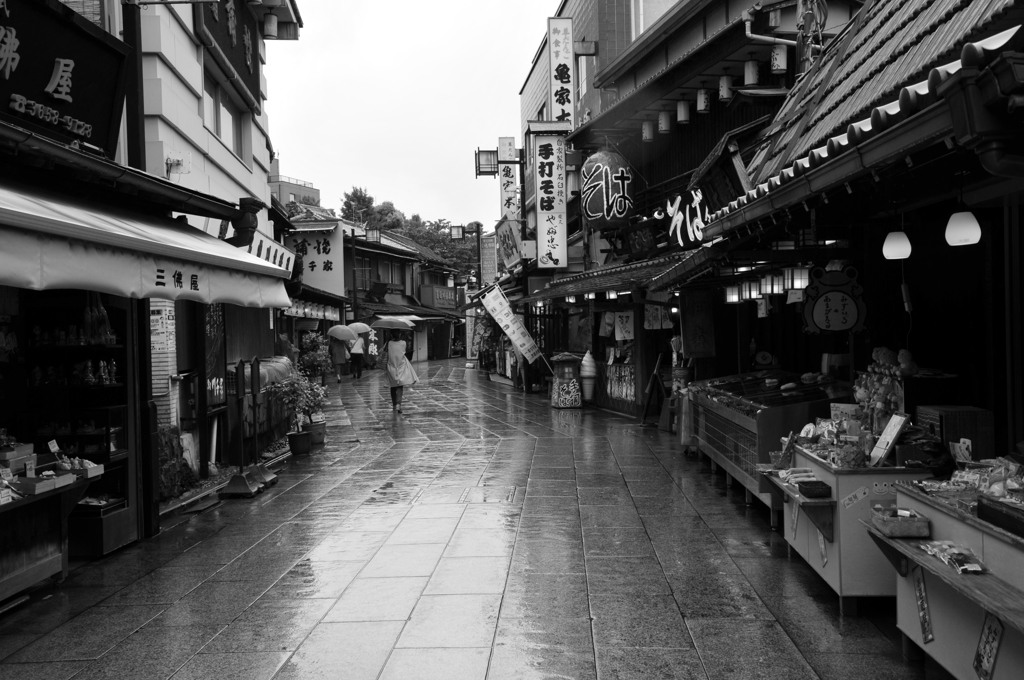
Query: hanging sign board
833, 302
488, 259
497, 306
561, 73
549, 164
508, 178
698, 325
509, 242
61, 77
687, 218
607, 187
322, 261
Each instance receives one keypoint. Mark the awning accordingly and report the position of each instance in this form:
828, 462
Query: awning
615, 277
51, 241
411, 318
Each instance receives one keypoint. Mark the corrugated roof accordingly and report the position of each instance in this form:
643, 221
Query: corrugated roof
889, 45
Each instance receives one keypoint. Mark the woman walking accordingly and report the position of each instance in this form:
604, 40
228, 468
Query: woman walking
339, 356
356, 349
399, 371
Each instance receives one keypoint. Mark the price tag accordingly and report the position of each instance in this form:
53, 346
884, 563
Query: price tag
988, 647
6, 474
923, 613
821, 548
858, 495
795, 517
54, 447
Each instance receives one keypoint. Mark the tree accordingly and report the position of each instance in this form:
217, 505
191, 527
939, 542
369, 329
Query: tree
387, 217
357, 202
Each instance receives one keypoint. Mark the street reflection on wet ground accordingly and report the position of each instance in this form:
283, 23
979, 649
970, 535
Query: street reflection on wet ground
479, 534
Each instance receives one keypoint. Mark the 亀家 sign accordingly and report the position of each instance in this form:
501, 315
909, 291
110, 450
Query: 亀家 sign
561, 71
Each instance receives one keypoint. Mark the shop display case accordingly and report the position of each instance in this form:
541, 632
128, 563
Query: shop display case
827, 532
971, 624
738, 419
74, 398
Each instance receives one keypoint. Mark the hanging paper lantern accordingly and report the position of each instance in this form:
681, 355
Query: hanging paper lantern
607, 185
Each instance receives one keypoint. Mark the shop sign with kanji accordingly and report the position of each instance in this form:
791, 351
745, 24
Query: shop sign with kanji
562, 71
60, 76
234, 32
322, 262
833, 302
550, 183
508, 178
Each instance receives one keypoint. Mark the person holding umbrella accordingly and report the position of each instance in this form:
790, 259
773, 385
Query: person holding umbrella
356, 349
399, 371
339, 355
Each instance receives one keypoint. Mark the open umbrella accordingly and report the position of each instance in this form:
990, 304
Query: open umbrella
359, 327
344, 333
392, 322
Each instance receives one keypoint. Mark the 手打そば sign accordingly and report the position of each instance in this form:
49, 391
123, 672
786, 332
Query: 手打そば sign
550, 183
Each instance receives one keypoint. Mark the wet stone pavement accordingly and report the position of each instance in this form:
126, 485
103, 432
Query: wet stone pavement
481, 534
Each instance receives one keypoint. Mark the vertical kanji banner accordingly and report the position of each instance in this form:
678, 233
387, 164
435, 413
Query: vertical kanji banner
496, 304
552, 250
562, 95
508, 178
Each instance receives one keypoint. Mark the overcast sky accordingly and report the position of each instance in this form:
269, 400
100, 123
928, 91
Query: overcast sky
396, 96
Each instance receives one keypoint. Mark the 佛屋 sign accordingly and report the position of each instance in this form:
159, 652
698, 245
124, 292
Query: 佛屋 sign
61, 78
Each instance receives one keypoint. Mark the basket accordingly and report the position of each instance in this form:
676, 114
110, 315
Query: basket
814, 489
892, 525
781, 460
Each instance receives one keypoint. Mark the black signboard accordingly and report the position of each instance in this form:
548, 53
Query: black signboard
60, 76
231, 32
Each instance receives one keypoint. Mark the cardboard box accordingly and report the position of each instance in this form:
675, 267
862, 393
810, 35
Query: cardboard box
63, 479
18, 464
17, 451
89, 473
33, 485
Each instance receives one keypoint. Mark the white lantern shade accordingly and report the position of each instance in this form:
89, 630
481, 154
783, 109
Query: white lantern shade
963, 229
703, 100
796, 278
751, 72
683, 112
725, 88
732, 295
665, 122
611, 295
750, 290
270, 27
772, 284
780, 59
896, 246
647, 131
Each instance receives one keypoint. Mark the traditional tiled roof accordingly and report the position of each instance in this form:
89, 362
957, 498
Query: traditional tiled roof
890, 44
427, 253
622, 277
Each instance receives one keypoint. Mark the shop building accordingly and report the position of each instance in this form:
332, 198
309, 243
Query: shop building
88, 242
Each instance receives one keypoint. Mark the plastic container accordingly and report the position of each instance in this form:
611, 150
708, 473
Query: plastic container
891, 524
814, 489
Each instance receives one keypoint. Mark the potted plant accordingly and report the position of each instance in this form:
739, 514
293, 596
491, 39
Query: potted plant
315, 355
303, 398
313, 405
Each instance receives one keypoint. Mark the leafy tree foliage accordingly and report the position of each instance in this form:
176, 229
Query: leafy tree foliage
357, 202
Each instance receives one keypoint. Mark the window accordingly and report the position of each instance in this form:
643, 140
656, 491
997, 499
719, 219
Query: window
362, 273
291, 198
398, 273
221, 115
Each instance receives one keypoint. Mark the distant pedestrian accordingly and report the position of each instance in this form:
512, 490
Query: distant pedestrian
339, 355
399, 372
356, 349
